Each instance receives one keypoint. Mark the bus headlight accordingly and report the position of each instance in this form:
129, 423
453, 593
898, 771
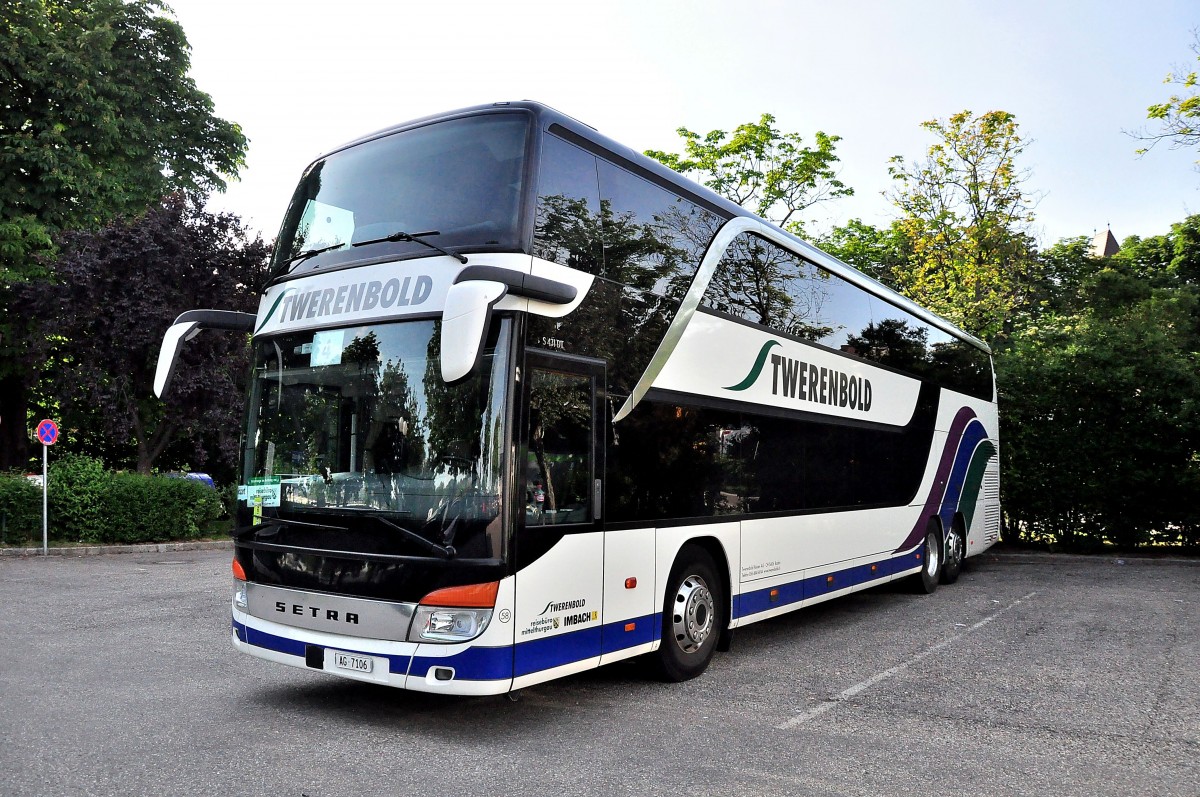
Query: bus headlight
454, 614
240, 600
438, 624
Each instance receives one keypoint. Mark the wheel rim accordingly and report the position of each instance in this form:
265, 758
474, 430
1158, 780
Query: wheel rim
693, 616
954, 548
931, 556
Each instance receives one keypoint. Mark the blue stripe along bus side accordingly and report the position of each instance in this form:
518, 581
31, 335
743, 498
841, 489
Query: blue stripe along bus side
761, 600
525, 658
972, 436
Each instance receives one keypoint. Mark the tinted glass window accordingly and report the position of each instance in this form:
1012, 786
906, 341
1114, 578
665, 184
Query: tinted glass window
678, 462
653, 238
567, 223
764, 283
558, 465
357, 423
460, 178
898, 339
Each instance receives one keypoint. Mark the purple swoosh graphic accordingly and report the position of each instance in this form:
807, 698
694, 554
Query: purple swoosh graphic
934, 500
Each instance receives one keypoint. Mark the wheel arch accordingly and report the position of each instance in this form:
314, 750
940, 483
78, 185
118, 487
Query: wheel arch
716, 549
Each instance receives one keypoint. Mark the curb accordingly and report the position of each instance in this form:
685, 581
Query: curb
101, 550
1002, 556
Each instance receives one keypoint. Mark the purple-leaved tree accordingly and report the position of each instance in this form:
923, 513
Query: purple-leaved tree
100, 322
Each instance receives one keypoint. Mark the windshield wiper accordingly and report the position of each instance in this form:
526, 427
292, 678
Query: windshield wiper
416, 238
276, 522
307, 253
444, 551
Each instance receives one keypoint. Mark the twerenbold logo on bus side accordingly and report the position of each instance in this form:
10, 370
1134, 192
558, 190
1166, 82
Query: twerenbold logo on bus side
804, 381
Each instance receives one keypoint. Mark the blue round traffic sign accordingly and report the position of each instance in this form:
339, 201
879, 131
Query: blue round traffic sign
47, 432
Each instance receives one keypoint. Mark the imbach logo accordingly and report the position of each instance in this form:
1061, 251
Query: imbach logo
803, 381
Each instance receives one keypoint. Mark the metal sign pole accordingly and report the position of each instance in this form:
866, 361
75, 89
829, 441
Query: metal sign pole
47, 433
45, 501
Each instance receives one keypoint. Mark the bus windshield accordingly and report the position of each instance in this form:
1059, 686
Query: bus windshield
459, 180
355, 424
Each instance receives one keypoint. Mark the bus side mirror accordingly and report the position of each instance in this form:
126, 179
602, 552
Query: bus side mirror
186, 327
469, 303
464, 325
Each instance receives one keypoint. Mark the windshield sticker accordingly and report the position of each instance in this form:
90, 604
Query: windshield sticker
326, 348
261, 491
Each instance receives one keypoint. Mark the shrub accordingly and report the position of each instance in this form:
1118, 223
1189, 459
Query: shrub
92, 505
20, 510
157, 508
77, 487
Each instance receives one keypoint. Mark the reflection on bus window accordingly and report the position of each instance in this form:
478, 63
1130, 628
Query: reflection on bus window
558, 465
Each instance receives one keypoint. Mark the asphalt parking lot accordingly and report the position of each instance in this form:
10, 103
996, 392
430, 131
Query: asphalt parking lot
1031, 676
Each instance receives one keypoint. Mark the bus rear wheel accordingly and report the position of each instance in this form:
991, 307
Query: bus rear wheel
956, 549
692, 616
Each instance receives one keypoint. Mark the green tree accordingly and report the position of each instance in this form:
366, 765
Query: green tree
1062, 270
1101, 418
878, 252
98, 119
1171, 259
1178, 118
762, 169
965, 212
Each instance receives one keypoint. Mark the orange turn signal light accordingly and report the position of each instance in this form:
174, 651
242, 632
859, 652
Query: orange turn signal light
238, 571
471, 596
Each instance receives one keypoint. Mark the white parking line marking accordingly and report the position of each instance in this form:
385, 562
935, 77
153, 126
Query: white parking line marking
862, 686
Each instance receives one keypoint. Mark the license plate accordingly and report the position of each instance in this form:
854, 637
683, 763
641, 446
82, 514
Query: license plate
348, 661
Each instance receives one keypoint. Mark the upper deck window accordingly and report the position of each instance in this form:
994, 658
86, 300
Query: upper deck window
598, 217
459, 178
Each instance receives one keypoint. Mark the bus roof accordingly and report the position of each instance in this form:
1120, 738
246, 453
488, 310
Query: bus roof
547, 117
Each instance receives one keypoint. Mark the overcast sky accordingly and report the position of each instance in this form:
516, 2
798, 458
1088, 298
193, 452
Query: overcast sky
301, 77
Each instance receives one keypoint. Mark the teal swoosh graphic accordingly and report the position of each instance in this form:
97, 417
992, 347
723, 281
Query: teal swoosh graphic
274, 307
974, 480
752, 377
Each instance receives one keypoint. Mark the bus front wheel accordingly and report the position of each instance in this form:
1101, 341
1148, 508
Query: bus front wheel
692, 616
931, 561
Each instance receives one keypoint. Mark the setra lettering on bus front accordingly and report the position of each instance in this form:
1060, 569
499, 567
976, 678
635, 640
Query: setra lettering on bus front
314, 611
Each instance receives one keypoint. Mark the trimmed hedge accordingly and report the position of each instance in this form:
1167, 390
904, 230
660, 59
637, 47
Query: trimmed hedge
20, 510
89, 504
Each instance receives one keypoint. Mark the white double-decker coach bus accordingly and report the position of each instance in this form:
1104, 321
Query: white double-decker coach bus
525, 402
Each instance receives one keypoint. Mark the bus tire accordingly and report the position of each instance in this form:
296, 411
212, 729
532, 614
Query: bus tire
956, 551
931, 561
692, 613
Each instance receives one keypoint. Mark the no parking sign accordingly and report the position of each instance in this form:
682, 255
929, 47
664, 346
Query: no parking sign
47, 432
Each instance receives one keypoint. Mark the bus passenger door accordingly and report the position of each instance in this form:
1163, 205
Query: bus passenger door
559, 547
